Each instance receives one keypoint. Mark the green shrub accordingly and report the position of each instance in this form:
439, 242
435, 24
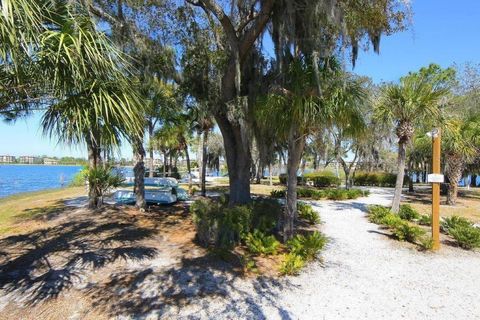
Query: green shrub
391, 220
322, 179
233, 225
378, 179
376, 213
426, 243
337, 194
292, 264
425, 220
306, 212
283, 179
205, 213
220, 226
266, 214
80, 178
454, 222
259, 243
307, 246
467, 237
403, 231
278, 193
103, 179
310, 193
406, 212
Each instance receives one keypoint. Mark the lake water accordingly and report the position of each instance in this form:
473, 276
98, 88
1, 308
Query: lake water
24, 178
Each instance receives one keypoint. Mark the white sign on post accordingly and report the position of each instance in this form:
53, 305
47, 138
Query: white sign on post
435, 178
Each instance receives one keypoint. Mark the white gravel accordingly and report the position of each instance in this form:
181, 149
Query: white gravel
364, 275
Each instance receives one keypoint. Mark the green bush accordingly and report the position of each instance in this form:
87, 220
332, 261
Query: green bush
426, 243
79, 179
403, 231
259, 243
378, 179
103, 179
283, 179
307, 246
310, 193
454, 222
306, 212
224, 227
377, 213
278, 193
425, 220
467, 237
220, 226
338, 194
266, 214
406, 212
391, 220
322, 179
292, 264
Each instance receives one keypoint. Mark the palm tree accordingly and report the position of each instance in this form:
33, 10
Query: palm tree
91, 99
460, 144
409, 104
292, 111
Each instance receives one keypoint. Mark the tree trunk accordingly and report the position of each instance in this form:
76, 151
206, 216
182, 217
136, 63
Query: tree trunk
402, 153
165, 160
139, 173
270, 182
237, 154
410, 183
295, 149
189, 170
454, 169
94, 194
204, 163
151, 167
473, 181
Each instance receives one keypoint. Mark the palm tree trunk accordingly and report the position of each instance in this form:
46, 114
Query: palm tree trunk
295, 149
402, 153
165, 159
204, 163
454, 170
139, 173
270, 174
189, 170
151, 167
94, 196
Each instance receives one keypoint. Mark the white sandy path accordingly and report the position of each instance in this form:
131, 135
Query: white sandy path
368, 276
365, 275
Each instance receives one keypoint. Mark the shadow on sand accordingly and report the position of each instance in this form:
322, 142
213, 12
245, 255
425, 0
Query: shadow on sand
41, 265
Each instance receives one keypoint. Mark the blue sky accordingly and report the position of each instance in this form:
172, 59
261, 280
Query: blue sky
443, 31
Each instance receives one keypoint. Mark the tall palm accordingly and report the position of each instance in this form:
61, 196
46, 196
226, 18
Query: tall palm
460, 144
93, 101
291, 111
409, 104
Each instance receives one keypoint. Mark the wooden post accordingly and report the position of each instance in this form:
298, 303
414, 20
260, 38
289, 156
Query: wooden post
436, 191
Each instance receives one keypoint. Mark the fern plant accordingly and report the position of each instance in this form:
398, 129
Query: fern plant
307, 246
453, 222
260, 243
467, 237
292, 264
306, 212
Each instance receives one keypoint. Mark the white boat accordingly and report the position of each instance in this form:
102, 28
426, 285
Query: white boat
165, 195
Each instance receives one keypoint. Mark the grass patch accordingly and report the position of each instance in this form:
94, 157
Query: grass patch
17, 209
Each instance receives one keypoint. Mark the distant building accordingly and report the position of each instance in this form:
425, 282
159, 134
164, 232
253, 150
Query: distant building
50, 161
7, 159
28, 160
